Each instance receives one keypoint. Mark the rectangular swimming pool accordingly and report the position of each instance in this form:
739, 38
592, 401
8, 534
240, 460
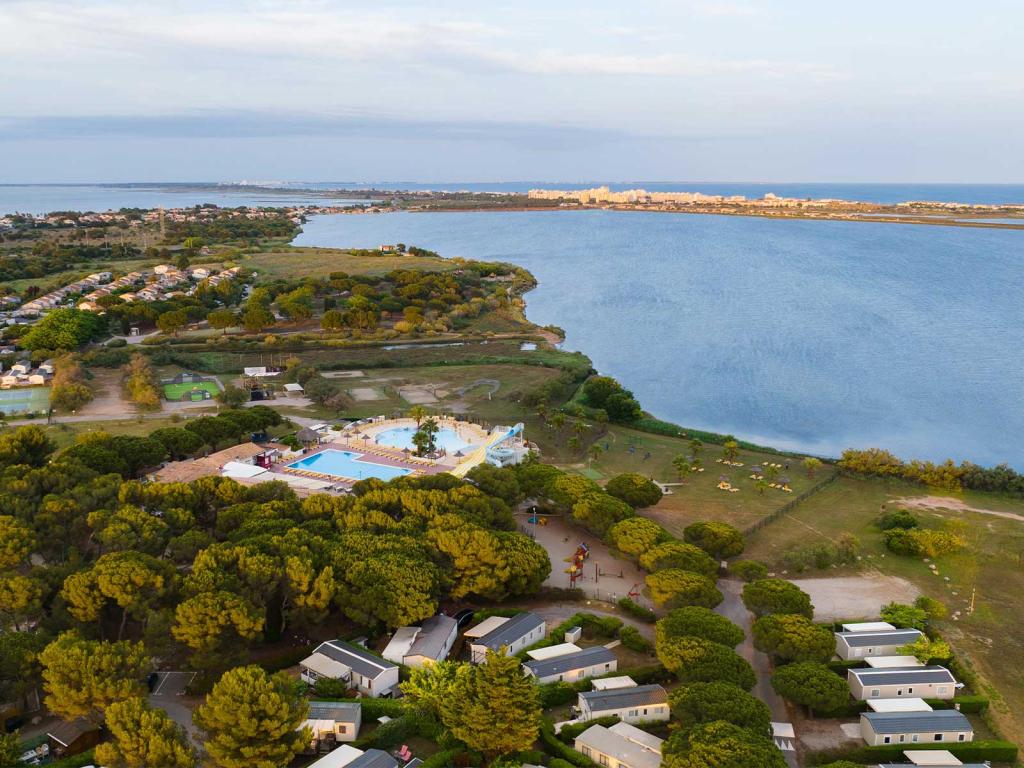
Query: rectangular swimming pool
348, 465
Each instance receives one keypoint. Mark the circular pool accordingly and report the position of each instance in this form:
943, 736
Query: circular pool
401, 437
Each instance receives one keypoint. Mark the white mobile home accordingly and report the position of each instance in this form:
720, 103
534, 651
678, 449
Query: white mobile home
911, 682
332, 722
570, 667
634, 704
857, 645
944, 725
426, 644
338, 660
621, 746
514, 634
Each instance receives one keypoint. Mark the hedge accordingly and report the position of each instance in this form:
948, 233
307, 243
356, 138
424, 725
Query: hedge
972, 752
557, 694
632, 639
75, 761
637, 611
374, 709
442, 759
569, 733
553, 746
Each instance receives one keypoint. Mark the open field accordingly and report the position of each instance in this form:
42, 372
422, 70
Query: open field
85, 268
992, 638
699, 498
296, 263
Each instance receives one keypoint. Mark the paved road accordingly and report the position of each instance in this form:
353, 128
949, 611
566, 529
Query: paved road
732, 608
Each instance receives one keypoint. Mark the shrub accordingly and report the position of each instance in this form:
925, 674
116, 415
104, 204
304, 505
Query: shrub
632, 639
553, 746
970, 752
923, 542
556, 695
897, 518
749, 570
569, 733
637, 611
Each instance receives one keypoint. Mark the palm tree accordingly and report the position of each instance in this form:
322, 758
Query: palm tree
558, 420
579, 426
417, 412
593, 452
695, 446
761, 485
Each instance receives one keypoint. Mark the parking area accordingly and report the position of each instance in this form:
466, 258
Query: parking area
169, 694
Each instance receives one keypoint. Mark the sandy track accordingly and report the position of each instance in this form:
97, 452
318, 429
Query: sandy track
951, 504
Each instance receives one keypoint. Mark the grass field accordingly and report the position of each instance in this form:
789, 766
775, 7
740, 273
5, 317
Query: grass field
699, 497
176, 391
295, 263
992, 637
24, 400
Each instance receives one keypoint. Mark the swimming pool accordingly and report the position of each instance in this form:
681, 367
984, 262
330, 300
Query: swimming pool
348, 465
401, 437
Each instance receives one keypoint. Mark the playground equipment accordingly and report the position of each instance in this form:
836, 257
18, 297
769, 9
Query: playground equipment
575, 569
634, 592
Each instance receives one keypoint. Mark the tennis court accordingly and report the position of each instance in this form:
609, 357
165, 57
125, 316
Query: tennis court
182, 391
24, 400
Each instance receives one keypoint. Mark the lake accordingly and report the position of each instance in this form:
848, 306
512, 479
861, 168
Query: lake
807, 335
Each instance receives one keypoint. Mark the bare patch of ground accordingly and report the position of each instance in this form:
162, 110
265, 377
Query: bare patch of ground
856, 597
823, 734
342, 374
418, 395
365, 393
953, 505
107, 401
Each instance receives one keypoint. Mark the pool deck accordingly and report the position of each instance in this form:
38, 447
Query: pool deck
371, 453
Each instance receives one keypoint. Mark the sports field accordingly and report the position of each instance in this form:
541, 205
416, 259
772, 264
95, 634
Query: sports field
24, 400
174, 392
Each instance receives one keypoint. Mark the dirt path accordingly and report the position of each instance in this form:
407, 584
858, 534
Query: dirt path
953, 505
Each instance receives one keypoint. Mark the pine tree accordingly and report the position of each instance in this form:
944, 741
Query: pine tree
251, 720
494, 709
143, 737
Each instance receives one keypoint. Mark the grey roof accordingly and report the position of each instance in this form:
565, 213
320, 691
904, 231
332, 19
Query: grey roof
588, 657
516, 627
374, 758
339, 711
358, 659
620, 698
903, 675
889, 637
433, 636
917, 722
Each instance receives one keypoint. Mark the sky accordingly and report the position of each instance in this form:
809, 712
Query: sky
443, 90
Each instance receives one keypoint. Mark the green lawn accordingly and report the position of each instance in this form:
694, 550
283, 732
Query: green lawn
175, 392
992, 638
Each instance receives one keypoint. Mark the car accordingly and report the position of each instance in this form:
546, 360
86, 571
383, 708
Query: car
152, 680
463, 618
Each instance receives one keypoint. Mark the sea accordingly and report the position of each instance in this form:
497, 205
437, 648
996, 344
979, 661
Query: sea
807, 335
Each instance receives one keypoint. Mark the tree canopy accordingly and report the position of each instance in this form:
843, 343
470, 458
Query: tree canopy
695, 660
812, 685
674, 587
697, 621
766, 596
720, 540
792, 637
699, 703
634, 489
143, 737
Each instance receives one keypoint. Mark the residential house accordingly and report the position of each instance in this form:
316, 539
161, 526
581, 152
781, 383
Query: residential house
350, 757
199, 273
932, 757
332, 722
857, 645
621, 746
633, 704
512, 634
427, 644
912, 682
943, 725
21, 368
46, 367
72, 738
867, 626
571, 667
363, 671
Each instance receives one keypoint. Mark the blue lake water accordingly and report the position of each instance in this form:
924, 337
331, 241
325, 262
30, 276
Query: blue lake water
348, 465
809, 335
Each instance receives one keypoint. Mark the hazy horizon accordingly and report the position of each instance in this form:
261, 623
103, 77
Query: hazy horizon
730, 91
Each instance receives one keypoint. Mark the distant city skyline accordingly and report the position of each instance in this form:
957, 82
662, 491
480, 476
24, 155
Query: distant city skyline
731, 91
